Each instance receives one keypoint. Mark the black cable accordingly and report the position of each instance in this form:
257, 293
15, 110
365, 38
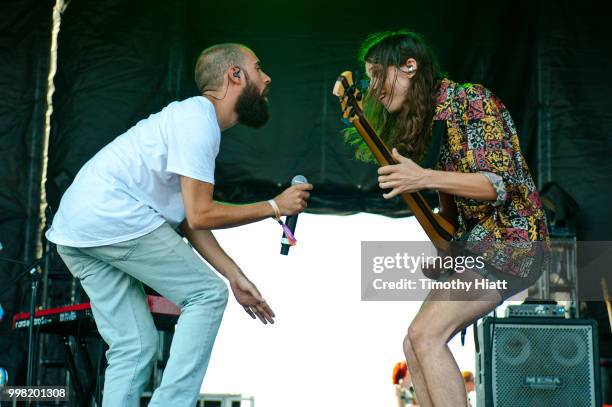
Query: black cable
6, 259
491, 338
226, 88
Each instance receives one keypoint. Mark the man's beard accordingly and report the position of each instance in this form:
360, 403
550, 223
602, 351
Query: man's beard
252, 107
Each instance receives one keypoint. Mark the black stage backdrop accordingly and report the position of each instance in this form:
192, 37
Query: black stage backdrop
120, 61
25, 28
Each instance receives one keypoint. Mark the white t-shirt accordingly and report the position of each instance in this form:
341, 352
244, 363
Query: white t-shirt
132, 186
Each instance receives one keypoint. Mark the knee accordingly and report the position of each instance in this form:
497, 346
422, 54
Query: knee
409, 352
407, 345
140, 346
415, 333
219, 293
420, 338
212, 294
222, 293
149, 343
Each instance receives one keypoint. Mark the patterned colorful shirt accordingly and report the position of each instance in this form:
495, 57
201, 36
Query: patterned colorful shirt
481, 137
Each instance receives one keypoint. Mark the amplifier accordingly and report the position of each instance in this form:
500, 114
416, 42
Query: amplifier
543, 362
535, 310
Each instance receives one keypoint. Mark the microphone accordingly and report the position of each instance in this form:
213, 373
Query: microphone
291, 221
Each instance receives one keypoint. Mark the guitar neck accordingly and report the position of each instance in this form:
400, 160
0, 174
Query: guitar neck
438, 229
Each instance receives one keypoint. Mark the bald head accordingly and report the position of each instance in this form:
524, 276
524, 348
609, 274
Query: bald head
214, 61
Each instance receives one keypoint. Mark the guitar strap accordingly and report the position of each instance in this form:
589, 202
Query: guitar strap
438, 132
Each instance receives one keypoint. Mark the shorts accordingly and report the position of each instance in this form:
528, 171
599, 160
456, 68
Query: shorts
514, 284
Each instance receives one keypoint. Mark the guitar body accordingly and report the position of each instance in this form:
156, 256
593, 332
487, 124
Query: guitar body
448, 209
439, 227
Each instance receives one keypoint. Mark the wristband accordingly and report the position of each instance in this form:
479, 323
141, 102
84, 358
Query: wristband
277, 213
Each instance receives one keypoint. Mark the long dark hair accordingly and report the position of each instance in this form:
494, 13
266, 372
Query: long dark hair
409, 130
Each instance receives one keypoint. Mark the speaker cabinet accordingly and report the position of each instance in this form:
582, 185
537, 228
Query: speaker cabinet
537, 362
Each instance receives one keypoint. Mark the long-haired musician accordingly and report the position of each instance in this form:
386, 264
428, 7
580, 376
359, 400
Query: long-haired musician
480, 166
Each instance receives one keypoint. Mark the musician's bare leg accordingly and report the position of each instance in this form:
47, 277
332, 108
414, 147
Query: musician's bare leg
436, 376
416, 375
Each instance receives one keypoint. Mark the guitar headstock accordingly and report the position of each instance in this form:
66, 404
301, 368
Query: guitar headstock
351, 98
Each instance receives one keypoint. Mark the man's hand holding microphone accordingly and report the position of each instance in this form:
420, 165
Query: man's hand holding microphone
293, 199
290, 203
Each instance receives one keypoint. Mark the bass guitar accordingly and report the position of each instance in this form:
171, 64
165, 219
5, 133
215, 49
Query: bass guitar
439, 229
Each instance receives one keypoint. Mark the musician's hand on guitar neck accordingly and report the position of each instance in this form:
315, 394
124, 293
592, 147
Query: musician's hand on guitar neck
405, 176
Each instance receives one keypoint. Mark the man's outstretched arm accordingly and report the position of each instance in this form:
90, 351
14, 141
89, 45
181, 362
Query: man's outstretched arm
244, 290
203, 213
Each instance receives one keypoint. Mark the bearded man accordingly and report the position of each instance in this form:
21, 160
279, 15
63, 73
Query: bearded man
116, 229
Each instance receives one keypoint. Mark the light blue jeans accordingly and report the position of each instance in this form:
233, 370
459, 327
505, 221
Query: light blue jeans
112, 275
